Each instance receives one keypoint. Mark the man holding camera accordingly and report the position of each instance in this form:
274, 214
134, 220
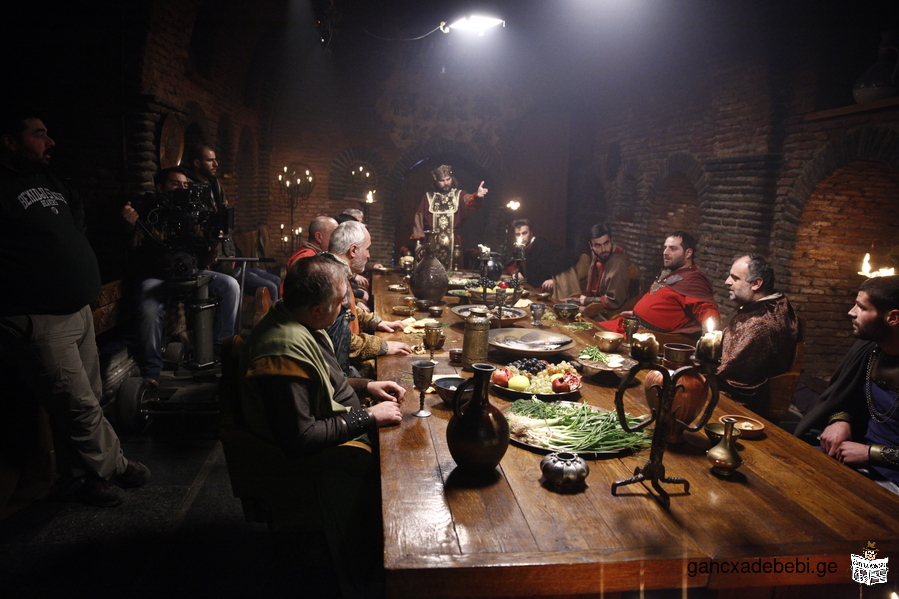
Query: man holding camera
152, 262
47, 345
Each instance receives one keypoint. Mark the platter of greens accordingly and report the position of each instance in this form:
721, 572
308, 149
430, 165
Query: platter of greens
583, 429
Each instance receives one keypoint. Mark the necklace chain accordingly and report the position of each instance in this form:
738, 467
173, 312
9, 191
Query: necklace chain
879, 417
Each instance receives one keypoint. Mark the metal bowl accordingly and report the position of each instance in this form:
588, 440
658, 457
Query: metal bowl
715, 430
608, 341
565, 311
446, 388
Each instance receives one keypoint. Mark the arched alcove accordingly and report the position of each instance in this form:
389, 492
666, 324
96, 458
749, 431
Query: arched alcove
851, 212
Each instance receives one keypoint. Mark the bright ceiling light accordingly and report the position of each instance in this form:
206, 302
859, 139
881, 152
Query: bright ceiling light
476, 23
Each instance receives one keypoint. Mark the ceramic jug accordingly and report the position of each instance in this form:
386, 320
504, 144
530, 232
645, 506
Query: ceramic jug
690, 393
429, 280
478, 433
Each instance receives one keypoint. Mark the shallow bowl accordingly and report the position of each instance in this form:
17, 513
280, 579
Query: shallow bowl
402, 310
442, 386
608, 341
749, 428
715, 430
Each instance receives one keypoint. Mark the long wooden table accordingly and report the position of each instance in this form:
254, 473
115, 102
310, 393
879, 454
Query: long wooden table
789, 516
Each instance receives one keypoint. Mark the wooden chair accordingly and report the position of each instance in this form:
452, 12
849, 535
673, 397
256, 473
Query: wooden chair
782, 387
319, 493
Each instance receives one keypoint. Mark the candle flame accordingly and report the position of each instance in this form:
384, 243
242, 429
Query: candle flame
710, 325
513, 205
369, 199
867, 272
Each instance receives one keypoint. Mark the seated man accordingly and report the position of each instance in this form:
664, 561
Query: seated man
152, 262
543, 258
858, 411
293, 393
760, 341
320, 230
600, 277
681, 299
353, 335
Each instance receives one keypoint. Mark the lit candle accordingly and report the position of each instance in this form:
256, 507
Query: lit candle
645, 347
287, 183
279, 177
369, 199
709, 347
300, 230
282, 226
285, 169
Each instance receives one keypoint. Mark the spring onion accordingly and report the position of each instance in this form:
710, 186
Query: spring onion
577, 427
592, 353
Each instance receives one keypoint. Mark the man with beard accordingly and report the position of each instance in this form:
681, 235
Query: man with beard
680, 299
47, 343
760, 340
542, 260
444, 210
353, 333
600, 277
859, 411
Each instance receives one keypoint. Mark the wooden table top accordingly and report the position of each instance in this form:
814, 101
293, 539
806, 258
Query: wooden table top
788, 502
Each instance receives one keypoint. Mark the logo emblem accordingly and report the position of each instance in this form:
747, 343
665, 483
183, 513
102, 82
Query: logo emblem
867, 569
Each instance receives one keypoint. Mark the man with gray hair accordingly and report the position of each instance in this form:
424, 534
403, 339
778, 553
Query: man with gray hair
760, 341
353, 336
292, 393
355, 213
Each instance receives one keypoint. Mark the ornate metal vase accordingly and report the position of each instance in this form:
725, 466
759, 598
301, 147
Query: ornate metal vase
429, 280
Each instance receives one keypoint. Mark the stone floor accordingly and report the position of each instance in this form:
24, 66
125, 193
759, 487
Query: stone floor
183, 535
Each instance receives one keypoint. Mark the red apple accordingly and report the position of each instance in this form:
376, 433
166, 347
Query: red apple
501, 377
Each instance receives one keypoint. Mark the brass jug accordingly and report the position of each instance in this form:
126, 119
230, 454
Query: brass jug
474, 341
724, 457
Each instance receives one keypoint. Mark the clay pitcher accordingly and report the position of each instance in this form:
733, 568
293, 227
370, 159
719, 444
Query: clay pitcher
690, 394
478, 433
429, 280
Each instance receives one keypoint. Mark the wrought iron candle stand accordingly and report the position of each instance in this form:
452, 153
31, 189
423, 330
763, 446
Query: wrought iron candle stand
654, 469
292, 193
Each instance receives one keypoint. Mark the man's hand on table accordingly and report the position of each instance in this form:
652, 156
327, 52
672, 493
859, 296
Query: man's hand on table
398, 348
626, 314
852, 453
833, 436
390, 395
390, 326
547, 285
361, 280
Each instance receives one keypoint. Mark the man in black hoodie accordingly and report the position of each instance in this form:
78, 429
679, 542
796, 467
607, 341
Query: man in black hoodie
46, 325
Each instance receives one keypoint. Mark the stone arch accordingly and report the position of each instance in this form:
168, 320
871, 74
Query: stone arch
340, 183
675, 199
868, 143
476, 164
197, 129
247, 213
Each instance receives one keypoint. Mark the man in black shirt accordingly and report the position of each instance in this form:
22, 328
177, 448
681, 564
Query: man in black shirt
46, 324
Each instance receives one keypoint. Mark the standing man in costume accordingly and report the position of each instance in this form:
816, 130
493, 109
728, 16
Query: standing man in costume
444, 210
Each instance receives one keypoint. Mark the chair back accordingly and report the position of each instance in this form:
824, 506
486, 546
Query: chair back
782, 387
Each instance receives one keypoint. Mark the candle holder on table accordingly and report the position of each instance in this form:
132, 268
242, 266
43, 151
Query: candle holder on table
645, 351
422, 374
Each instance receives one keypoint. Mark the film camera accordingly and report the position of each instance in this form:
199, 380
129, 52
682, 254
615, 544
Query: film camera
190, 225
